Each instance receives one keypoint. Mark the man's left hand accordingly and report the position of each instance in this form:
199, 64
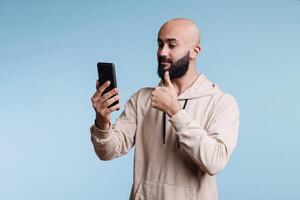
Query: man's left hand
164, 98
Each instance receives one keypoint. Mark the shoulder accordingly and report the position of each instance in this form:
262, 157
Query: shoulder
142, 93
225, 98
225, 103
220, 97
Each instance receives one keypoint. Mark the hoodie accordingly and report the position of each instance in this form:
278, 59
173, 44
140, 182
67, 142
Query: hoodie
175, 158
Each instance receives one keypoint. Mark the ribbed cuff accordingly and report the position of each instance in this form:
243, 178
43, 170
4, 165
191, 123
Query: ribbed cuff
99, 133
180, 120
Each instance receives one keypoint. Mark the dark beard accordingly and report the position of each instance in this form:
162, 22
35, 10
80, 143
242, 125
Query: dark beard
177, 69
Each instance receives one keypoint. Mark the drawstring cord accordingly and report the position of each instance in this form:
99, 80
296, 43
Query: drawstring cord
164, 128
164, 125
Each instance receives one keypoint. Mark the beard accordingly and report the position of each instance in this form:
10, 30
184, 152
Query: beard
177, 68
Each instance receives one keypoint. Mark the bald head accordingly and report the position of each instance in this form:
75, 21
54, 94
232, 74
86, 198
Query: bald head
183, 29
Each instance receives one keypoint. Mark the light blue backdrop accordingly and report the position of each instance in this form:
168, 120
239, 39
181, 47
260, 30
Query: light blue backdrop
48, 55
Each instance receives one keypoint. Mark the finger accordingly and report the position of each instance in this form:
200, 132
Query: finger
109, 95
154, 98
95, 97
157, 90
167, 81
154, 105
113, 108
110, 101
103, 87
101, 109
97, 84
100, 91
154, 92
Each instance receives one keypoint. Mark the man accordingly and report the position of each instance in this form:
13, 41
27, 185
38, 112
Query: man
184, 130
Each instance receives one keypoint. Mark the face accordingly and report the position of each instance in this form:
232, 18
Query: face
172, 54
177, 68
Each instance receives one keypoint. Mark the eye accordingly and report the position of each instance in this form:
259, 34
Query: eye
160, 45
172, 45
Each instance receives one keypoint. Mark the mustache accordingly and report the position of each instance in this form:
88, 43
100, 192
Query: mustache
164, 59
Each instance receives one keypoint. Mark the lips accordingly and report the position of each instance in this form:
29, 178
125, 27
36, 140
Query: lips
165, 62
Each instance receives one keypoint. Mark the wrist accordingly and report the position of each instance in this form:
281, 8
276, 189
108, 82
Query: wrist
102, 124
174, 109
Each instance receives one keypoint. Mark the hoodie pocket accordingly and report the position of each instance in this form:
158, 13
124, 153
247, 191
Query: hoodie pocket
157, 191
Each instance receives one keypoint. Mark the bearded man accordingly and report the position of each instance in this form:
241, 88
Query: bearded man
184, 130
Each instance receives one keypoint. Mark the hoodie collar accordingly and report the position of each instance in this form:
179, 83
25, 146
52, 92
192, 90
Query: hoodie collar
201, 87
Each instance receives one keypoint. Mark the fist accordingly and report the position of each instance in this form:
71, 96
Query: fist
164, 98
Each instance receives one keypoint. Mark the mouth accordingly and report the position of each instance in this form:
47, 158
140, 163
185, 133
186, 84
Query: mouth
164, 63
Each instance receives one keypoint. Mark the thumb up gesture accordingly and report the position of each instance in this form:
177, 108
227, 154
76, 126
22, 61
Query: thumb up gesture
164, 98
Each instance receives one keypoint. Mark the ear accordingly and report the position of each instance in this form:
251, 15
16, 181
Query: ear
195, 52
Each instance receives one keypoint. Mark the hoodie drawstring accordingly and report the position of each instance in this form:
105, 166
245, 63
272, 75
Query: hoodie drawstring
164, 125
164, 128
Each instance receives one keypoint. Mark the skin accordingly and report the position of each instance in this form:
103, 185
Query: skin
176, 38
101, 104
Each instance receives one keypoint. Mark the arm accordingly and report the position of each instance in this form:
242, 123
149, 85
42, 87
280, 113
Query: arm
119, 138
209, 148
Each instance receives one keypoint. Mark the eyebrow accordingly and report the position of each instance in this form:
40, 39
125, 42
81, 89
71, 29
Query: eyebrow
168, 40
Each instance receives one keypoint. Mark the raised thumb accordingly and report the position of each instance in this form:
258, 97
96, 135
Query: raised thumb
167, 81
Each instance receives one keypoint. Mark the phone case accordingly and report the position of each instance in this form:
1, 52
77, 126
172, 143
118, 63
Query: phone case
106, 72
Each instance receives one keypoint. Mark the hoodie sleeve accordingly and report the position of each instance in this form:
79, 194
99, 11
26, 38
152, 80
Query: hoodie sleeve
209, 148
120, 137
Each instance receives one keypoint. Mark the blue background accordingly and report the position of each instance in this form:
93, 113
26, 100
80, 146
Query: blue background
48, 55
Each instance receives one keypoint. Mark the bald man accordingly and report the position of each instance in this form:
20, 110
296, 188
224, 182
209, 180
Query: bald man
184, 130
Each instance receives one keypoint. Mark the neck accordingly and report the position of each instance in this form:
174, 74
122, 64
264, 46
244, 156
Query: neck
186, 81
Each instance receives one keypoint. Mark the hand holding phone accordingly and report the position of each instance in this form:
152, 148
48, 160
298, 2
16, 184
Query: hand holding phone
106, 98
106, 72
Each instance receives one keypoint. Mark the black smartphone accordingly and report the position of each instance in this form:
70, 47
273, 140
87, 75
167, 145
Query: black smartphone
106, 72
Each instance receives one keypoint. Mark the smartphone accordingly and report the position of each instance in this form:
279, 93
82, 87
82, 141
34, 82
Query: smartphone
106, 72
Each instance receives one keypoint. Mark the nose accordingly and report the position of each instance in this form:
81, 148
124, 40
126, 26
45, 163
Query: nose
163, 51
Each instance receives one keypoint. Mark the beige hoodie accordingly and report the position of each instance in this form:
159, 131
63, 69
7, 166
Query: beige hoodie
176, 159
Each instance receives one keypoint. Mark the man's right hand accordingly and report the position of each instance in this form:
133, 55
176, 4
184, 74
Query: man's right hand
101, 102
